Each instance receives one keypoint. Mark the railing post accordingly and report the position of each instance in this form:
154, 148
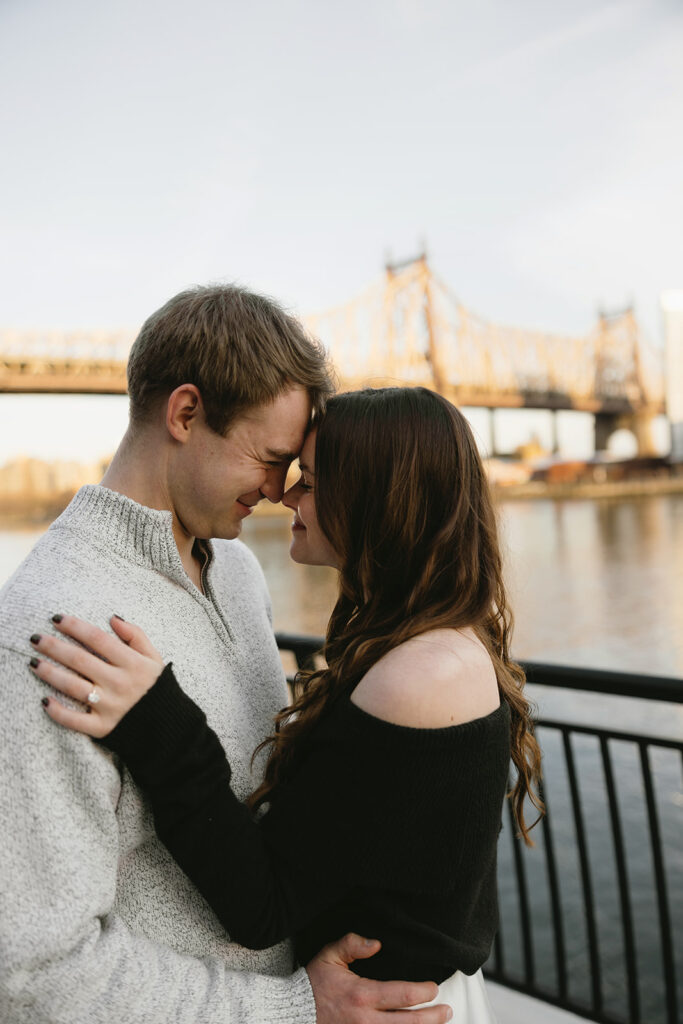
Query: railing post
622, 878
660, 880
555, 904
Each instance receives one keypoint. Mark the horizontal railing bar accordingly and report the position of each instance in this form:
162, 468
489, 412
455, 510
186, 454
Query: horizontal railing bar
618, 684
609, 734
305, 639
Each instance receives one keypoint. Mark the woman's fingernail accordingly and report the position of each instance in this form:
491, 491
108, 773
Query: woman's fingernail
45, 701
34, 662
119, 617
57, 618
35, 639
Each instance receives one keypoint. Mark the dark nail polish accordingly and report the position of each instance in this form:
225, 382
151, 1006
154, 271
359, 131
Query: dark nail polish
45, 701
35, 639
34, 662
119, 617
57, 618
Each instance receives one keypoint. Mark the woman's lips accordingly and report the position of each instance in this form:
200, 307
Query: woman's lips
297, 525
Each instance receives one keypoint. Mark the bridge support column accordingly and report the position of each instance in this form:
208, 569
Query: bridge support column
555, 439
640, 425
493, 451
672, 310
605, 425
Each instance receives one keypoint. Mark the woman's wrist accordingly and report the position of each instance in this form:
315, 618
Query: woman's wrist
160, 725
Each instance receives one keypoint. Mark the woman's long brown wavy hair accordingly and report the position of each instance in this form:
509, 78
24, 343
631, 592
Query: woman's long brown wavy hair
402, 496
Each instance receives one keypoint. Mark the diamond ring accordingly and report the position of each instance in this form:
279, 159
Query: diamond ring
93, 697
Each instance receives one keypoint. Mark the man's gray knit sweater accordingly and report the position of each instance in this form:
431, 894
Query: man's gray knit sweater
97, 923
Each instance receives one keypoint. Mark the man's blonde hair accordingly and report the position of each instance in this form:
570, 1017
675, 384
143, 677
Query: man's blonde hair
239, 349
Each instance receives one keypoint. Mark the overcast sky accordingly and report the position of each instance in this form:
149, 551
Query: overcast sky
536, 148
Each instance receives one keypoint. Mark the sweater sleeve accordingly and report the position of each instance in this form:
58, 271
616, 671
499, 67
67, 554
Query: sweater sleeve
65, 954
370, 804
249, 873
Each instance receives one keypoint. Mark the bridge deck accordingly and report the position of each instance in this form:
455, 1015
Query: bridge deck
108, 377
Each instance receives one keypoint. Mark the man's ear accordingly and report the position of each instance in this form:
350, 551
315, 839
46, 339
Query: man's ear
183, 409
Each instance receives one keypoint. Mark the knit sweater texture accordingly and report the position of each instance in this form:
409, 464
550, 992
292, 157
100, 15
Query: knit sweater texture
97, 922
385, 830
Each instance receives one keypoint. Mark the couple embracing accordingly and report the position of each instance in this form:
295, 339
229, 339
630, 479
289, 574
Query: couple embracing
182, 844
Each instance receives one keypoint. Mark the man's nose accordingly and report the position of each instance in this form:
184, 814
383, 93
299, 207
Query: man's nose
274, 485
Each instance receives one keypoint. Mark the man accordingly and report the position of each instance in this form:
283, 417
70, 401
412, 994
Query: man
97, 922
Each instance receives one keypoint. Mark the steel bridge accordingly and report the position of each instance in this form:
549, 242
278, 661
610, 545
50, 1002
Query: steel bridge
408, 328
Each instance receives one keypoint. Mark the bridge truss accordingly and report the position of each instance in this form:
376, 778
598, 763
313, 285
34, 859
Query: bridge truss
409, 328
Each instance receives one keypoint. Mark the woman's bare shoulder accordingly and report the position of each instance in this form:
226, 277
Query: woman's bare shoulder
440, 678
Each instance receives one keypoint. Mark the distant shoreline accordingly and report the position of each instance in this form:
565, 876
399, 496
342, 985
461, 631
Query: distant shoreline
17, 512
37, 511
637, 488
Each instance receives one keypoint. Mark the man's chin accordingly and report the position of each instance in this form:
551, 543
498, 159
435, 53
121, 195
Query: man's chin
229, 531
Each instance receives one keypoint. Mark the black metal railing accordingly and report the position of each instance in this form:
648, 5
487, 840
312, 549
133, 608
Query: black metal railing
590, 917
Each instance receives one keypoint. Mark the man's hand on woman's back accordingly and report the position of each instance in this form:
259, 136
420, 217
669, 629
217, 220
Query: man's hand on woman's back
342, 997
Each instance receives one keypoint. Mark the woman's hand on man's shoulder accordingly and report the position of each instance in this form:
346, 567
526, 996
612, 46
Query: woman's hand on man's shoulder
441, 678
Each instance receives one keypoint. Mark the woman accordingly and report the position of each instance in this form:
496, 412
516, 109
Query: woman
380, 807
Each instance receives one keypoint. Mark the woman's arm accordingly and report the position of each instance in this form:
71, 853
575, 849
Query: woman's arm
247, 870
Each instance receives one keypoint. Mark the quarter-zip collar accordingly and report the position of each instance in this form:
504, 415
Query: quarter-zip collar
137, 533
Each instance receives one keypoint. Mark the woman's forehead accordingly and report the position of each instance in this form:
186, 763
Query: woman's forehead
307, 453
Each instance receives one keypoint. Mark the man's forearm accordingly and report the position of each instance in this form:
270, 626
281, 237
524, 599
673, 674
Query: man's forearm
128, 979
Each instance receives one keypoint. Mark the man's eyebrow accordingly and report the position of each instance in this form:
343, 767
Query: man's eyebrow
280, 455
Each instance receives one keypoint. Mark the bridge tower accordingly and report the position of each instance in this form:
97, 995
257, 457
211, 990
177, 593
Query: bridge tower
618, 344
672, 312
639, 423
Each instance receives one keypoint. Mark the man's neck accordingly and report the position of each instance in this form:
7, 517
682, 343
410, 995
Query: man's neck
140, 473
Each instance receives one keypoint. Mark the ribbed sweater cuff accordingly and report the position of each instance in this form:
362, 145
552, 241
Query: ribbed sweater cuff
290, 1002
165, 713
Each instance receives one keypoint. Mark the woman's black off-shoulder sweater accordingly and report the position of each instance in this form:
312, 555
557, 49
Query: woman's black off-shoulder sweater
384, 830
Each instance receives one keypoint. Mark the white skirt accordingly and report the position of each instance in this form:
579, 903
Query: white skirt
466, 995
